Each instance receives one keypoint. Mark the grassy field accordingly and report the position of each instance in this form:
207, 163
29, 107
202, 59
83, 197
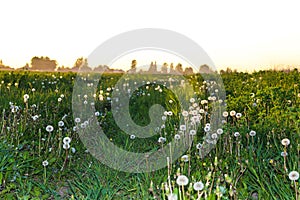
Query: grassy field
256, 155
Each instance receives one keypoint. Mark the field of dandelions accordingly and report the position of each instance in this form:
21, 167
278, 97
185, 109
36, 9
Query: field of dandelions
256, 153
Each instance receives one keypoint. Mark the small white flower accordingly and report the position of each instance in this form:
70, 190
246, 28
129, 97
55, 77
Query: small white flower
35, 117
164, 118
284, 154
198, 186
214, 136
170, 113
199, 146
177, 137
61, 123
182, 127
66, 140
252, 133
77, 120
185, 158
220, 131
172, 196
66, 146
97, 113
285, 142
232, 113
238, 115
26, 97
185, 113
45, 163
59, 99
73, 150
236, 134
294, 175
132, 137
161, 139
192, 100
182, 180
49, 128
193, 132
206, 128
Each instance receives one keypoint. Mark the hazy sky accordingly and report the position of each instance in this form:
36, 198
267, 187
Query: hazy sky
233, 33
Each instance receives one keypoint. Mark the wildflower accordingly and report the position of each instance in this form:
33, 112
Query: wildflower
61, 123
293, 175
252, 133
170, 113
35, 117
77, 119
182, 127
172, 197
59, 99
238, 115
206, 128
193, 132
97, 113
225, 114
26, 97
199, 146
66, 146
198, 186
192, 100
182, 180
185, 158
284, 154
132, 137
185, 113
164, 118
66, 140
49, 128
232, 113
73, 150
161, 139
177, 137
236, 134
214, 136
220, 131
285, 142
45, 163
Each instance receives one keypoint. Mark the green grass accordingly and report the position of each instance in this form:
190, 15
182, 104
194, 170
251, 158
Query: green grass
243, 167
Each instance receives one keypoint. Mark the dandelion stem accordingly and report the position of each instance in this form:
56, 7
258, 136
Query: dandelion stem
296, 191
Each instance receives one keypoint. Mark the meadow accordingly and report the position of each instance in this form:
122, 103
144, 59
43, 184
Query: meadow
255, 153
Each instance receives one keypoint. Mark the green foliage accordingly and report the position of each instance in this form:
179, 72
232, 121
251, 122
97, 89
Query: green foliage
244, 167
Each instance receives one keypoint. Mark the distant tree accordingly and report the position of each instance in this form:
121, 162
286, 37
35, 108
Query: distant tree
188, 71
82, 64
228, 70
102, 68
133, 67
43, 63
153, 68
172, 70
178, 68
164, 68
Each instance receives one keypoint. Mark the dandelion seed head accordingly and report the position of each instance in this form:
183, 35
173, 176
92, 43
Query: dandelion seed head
285, 142
198, 186
45, 163
294, 175
66, 146
49, 128
182, 180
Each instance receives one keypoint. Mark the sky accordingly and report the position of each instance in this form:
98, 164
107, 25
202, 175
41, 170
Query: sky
243, 35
